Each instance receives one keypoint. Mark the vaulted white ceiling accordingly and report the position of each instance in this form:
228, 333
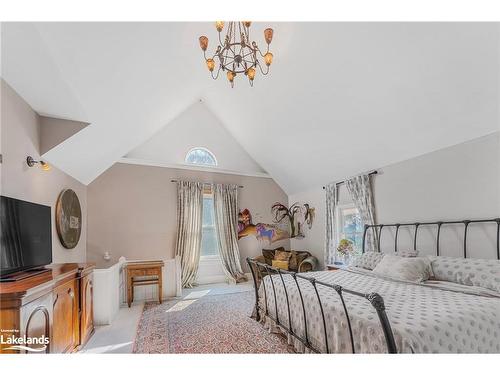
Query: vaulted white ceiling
341, 98
195, 127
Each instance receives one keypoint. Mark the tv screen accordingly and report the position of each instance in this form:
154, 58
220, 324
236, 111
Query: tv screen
26, 238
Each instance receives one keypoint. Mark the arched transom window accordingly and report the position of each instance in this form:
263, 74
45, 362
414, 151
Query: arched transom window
201, 156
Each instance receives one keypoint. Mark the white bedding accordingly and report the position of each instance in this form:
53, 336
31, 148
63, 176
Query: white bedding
425, 318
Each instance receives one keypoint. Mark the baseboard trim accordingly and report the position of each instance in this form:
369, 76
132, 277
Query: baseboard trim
218, 279
211, 279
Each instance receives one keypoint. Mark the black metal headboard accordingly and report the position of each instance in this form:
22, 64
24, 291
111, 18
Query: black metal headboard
378, 230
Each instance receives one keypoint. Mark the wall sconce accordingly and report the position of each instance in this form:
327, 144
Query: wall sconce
32, 162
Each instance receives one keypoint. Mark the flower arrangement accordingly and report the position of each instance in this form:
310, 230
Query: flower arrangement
345, 247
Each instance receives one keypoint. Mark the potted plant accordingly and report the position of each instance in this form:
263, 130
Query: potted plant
345, 249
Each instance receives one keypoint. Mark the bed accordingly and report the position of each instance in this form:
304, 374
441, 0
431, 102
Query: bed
356, 311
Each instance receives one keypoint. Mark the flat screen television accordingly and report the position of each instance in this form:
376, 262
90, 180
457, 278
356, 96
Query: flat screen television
25, 235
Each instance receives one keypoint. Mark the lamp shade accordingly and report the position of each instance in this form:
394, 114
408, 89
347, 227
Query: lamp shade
210, 64
250, 73
268, 35
203, 42
268, 58
219, 25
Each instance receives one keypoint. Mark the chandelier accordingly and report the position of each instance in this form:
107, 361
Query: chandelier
235, 54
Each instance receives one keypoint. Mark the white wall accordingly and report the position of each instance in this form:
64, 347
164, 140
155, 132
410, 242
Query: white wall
197, 126
458, 182
20, 127
132, 213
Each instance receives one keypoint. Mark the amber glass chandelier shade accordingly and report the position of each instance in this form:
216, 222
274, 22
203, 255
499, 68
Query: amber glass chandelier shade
219, 25
268, 35
250, 73
247, 23
230, 76
210, 64
268, 58
203, 42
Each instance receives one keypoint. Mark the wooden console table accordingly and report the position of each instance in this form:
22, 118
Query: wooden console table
147, 272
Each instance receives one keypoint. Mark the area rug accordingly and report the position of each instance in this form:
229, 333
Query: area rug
209, 324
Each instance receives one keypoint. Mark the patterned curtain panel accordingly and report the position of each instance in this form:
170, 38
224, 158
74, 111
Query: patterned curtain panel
360, 189
226, 224
189, 229
332, 198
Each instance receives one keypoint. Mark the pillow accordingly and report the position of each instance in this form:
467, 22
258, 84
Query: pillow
368, 260
281, 264
296, 258
269, 254
484, 273
282, 255
407, 253
401, 268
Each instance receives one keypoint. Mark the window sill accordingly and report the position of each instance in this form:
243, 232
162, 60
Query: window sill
210, 259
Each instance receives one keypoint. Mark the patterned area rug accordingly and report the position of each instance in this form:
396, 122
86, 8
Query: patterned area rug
210, 324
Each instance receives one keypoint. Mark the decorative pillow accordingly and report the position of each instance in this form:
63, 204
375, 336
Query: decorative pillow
269, 254
408, 269
282, 255
281, 264
296, 259
368, 260
407, 253
484, 273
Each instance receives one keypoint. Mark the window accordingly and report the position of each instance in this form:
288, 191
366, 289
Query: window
350, 225
209, 246
202, 156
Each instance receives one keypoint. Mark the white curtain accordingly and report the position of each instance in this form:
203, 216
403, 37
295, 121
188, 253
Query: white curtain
332, 198
226, 224
189, 229
360, 189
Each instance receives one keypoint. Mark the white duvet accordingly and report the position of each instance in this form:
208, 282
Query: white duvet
433, 317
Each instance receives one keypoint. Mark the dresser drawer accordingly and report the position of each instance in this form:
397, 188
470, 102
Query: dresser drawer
134, 273
153, 272
145, 272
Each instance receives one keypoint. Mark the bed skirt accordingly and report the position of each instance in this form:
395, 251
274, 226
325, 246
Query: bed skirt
271, 326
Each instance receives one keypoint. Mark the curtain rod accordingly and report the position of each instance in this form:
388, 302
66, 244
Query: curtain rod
208, 183
343, 182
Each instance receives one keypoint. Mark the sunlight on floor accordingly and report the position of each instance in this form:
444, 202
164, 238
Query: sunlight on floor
197, 294
181, 305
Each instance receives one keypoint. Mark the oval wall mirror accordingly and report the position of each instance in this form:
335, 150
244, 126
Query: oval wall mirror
68, 218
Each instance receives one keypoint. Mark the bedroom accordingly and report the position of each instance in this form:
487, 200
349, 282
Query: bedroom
176, 187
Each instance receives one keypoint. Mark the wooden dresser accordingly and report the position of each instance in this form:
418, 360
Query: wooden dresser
57, 304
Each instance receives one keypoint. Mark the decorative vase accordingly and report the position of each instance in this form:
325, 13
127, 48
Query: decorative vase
347, 259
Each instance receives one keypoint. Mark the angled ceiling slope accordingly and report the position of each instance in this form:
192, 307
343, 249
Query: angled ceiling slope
197, 126
375, 94
54, 131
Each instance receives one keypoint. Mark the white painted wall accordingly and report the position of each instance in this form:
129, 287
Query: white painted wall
458, 182
132, 213
20, 128
197, 126
108, 284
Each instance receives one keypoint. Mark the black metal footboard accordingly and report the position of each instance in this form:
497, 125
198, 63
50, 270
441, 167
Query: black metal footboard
259, 270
